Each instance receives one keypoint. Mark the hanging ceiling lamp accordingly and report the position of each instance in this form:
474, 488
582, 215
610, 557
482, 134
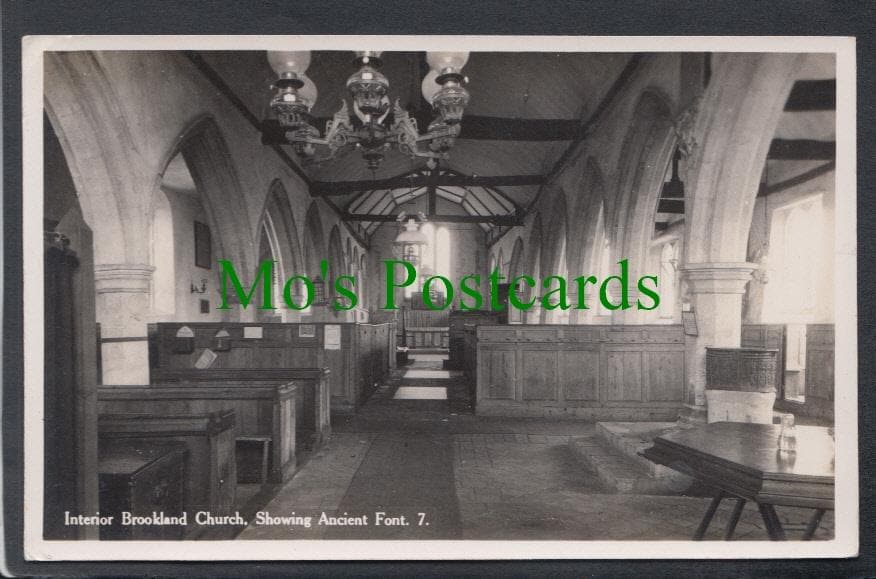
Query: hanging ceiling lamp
375, 125
409, 243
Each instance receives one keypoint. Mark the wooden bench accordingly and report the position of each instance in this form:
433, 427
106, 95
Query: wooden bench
211, 474
312, 402
262, 409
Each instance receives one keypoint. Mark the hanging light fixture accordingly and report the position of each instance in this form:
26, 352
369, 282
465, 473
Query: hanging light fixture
409, 243
375, 125
672, 195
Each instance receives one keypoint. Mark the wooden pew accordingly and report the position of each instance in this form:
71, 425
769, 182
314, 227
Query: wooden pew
262, 409
312, 402
211, 472
597, 372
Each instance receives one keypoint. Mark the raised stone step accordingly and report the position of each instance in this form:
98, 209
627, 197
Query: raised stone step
631, 438
619, 472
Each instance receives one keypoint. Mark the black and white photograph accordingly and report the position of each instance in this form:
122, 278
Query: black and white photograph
432, 297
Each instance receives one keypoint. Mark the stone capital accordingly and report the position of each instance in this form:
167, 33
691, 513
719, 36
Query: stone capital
718, 278
122, 278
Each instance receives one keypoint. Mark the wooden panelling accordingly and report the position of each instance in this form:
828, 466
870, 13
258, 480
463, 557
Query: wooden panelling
539, 369
458, 320
623, 376
501, 374
665, 376
579, 374
312, 403
211, 473
624, 371
770, 337
820, 360
266, 409
363, 359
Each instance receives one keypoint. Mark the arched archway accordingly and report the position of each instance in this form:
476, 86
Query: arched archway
337, 267
516, 263
647, 150
206, 154
739, 113
314, 241
533, 268
278, 215
586, 239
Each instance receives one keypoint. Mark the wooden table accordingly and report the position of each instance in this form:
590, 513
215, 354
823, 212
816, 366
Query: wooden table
742, 460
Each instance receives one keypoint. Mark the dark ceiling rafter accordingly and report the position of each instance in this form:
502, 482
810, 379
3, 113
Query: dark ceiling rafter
802, 150
438, 218
584, 128
326, 188
604, 104
812, 95
796, 180
216, 80
226, 91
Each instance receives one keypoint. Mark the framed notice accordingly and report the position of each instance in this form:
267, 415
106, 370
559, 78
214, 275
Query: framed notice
689, 322
203, 245
332, 337
307, 331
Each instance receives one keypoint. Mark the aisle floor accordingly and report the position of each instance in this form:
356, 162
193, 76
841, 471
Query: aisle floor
437, 471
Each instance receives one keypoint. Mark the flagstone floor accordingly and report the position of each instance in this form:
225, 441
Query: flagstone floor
437, 471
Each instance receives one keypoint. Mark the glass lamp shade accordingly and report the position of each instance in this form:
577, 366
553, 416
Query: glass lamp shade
367, 56
287, 63
441, 61
451, 101
430, 85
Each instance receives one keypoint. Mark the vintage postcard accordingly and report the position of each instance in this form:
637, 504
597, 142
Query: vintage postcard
432, 297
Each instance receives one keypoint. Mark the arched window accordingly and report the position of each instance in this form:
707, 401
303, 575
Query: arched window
796, 256
269, 249
435, 258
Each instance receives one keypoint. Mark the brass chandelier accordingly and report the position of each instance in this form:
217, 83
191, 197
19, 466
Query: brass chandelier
375, 126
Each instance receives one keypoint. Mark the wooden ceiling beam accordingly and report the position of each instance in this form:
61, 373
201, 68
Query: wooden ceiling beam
328, 188
507, 220
802, 150
812, 95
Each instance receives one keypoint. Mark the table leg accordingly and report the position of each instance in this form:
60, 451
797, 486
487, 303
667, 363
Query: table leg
707, 518
771, 520
814, 521
734, 519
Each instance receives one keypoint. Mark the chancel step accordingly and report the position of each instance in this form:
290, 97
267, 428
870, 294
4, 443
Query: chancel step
608, 454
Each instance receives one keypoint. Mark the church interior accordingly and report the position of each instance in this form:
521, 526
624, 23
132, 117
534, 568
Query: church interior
709, 416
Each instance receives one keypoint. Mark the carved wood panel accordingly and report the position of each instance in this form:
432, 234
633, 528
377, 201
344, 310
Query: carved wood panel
665, 376
500, 374
539, 374
579, 374
623, 375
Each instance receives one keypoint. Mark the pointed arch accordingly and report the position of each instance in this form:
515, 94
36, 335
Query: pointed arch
516, 263
647, 151
740, 112
209, 161
314, 241
83, 108
278, 215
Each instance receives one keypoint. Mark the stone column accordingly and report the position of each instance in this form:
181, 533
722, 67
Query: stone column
123, 309
715, 293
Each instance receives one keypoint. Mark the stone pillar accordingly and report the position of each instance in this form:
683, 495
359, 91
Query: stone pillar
123, 309
715, 293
